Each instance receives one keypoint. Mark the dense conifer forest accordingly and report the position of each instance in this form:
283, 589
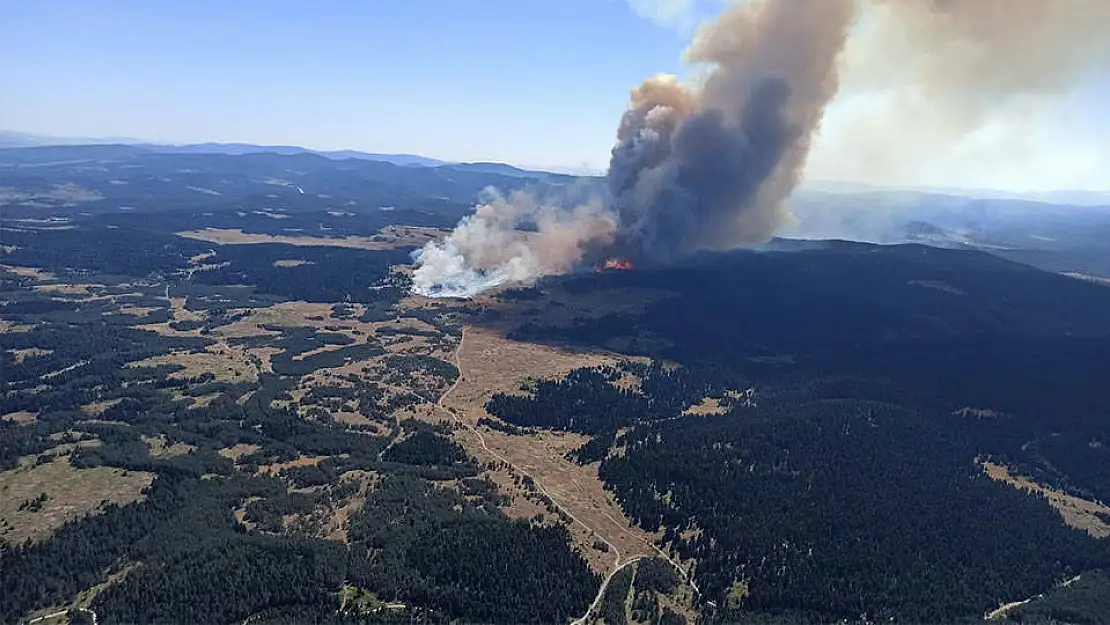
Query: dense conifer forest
217, 538
842, 475
805, 428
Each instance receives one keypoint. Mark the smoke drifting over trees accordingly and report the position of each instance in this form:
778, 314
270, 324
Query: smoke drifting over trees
709, 166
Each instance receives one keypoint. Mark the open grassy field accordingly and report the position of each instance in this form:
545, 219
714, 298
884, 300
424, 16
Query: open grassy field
490, 363
69, 494
389, 237
1076, 512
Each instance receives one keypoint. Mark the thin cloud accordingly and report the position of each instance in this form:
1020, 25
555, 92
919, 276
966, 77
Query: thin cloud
681, 15
664, 12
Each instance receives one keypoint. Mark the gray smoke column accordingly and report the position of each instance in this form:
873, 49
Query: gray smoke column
694, 167
709, 167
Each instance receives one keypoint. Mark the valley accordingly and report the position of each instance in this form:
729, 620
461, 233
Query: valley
225, 416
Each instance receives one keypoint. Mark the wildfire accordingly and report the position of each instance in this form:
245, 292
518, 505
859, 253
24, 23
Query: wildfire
614, 264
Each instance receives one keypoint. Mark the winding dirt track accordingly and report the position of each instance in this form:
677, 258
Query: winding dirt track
62, 613
618, 565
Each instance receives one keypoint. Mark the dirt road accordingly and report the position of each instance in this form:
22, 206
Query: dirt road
618, 565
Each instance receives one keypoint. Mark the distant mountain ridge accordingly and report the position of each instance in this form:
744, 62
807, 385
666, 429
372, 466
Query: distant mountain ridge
13, 139
228, 178
9, 139
239, 149
1074, 197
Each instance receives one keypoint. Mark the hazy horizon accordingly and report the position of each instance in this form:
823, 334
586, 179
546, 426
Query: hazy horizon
1101, 195
501, 81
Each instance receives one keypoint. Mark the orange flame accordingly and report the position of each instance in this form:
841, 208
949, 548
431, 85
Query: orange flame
614, 264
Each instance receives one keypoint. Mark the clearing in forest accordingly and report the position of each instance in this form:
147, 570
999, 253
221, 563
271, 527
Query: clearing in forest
63, 493
387, 238
489, 363
1076, 512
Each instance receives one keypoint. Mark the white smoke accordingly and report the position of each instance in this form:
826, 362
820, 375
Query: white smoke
709, 166
695, 167
512, 239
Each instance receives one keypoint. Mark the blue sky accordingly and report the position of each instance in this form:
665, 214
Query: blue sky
541, 82
532, 82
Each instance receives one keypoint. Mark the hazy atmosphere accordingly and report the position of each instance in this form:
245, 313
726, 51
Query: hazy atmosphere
580, 312
543, 84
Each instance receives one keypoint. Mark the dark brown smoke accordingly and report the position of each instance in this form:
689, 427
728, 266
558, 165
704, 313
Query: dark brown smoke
709, 167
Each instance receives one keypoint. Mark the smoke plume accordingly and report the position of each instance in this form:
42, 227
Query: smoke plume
509, 239
708, 166
957, 91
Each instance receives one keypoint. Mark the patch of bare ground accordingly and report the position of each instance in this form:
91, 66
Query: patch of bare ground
315, 315
69, 494
628, 381
409, 235
23, 417
319, 350
178, 312
138, 311
494, 363
692, 532
63, 449
937, 285
239, 450
199, 259
11, 328
203, 400
97, 407
278, 467
299, 314
227, 363
292, 262
967, 412
736, 594
283, 314
68, 192
681, 603
352, 418
336, 524
161, 448
490, 363
240, 513
181, 313
29, 272
85, 598
65, 288
19, 355
707, 406
1076, 512
1003, 610
388, 238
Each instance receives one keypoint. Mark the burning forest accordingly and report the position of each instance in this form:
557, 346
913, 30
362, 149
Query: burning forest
710, 166
613, 264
